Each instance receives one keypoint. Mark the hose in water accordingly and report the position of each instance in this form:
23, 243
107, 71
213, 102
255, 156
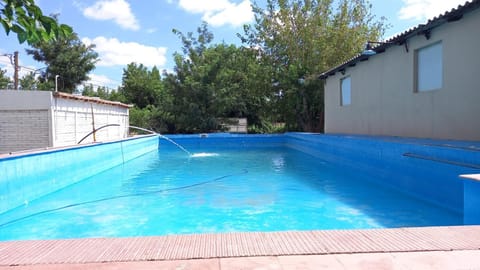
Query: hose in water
245, 171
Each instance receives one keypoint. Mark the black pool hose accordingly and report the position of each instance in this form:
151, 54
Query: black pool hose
244, 171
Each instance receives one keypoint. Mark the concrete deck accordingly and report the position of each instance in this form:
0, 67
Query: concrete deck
456, 247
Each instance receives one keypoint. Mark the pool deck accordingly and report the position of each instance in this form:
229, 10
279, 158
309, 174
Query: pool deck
453, 247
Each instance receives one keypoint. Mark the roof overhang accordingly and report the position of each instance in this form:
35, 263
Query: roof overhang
91, 99
402, 39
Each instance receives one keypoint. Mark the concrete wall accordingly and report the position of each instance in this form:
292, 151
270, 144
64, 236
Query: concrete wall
38, 119
24, 120
22, 130
73, 121
384, 100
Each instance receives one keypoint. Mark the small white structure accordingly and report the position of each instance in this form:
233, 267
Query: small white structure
235, 125
40, 119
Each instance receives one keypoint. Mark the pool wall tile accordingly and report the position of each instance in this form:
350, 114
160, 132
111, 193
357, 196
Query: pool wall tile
27, 177
427, 169
211, 142
472, 202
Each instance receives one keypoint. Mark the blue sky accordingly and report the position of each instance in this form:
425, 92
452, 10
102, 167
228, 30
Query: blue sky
126, 31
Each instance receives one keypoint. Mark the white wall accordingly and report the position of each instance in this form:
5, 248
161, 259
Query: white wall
73, 121
39, 119
384, 100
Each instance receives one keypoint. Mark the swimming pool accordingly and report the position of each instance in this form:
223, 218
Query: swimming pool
248, 183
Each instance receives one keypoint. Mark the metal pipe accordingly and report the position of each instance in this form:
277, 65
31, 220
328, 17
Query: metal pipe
56, 82
143, 129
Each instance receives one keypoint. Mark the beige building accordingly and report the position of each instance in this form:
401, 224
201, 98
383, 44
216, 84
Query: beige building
421, 83
40, 119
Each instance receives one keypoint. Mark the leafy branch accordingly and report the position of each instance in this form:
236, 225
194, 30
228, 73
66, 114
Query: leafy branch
27, 21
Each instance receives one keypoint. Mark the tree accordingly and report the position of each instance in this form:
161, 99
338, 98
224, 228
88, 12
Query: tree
90, 91
4, 79
302, 38
67, 57
215, 81
139, 85
144, 88
29, 82
26, 19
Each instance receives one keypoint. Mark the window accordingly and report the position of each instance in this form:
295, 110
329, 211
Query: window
345, 91
429, 68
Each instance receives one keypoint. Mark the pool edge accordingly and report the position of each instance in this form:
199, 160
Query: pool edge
239, 244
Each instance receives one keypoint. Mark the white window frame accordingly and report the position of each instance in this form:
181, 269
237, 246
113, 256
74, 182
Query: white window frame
345, 91
429, 68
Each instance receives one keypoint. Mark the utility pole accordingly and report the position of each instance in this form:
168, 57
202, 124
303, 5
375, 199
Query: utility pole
16, 68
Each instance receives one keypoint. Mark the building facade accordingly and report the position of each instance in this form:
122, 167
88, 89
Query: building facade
422, 83
40, 119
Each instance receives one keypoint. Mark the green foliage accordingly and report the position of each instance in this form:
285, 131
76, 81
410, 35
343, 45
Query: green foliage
273, 81
150, 117
44, 85
101, 92
215, 81
302, 38
144, 88
4, 79
27, 21
116, 95
28, 82
67, 57
266, 127
140, 117
89, 91
141, 86
32, 82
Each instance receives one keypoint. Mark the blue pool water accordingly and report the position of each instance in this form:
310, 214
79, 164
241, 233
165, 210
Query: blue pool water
237, 189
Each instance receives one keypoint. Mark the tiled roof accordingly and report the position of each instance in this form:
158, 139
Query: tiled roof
91, 99
400, 39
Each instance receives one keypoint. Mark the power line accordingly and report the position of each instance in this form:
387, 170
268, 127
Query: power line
12, 64
9, 55
17, 68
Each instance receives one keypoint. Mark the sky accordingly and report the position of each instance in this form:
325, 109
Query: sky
126, 31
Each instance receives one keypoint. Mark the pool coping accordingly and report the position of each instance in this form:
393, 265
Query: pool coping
51, 149
239, 244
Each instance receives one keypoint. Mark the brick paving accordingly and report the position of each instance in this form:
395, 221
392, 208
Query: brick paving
455, 247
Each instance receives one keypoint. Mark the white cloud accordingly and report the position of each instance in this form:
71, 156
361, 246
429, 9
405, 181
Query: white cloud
101, 80
426, 9
220, 12
235, 15
113, 52
151, 30
204, 6
116, 10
